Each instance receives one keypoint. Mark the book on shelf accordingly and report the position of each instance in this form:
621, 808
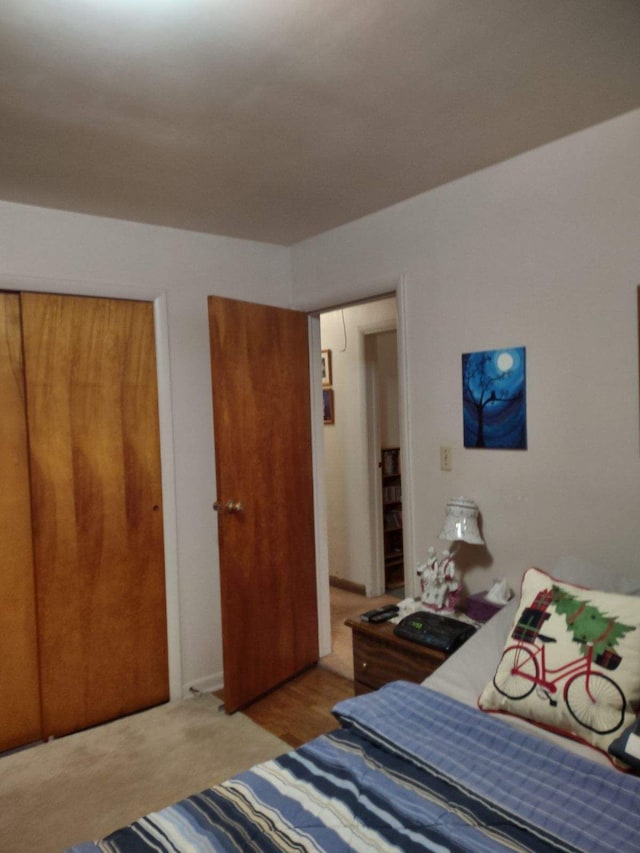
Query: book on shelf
391, 462
392, 494
393, 519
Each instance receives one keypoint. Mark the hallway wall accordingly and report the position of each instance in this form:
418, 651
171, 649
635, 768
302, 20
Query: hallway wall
349, 460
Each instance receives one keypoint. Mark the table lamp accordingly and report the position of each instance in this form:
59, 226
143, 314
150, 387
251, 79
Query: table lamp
439, 580
461, 522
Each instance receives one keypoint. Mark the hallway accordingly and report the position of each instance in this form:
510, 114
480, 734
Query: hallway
345, 605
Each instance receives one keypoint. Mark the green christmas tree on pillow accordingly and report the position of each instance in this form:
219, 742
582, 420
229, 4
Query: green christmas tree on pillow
588, 624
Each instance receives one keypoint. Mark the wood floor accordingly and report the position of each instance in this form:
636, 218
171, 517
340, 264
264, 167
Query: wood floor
347, 605
301, 709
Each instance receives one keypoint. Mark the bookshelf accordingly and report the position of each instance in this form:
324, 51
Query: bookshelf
392, 517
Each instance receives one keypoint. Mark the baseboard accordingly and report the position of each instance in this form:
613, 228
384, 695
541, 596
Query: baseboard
209, 684
350, 586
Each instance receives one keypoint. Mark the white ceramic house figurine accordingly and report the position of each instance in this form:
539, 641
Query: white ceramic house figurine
439, 582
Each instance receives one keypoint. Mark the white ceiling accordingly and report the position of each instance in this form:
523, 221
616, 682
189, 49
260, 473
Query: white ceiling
275, 120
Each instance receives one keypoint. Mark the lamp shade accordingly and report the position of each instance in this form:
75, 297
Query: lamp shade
461, 522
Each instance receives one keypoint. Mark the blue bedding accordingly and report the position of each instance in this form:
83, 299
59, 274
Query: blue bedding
409, 770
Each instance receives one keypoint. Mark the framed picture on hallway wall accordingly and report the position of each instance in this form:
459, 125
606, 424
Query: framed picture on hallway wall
327, 405
326, 367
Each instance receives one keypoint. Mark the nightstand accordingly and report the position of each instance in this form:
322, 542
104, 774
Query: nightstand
379, 656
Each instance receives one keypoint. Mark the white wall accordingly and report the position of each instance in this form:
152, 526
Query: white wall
349, 461
54, 251
386, 359
542, 251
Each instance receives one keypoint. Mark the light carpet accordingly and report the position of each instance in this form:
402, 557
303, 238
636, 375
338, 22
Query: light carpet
83, 786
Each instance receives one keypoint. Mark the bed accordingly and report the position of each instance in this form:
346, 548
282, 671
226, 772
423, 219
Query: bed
414, 767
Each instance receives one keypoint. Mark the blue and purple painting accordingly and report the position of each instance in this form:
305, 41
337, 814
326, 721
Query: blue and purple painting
494, 399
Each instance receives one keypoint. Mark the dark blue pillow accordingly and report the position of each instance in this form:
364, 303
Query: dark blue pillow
627, 746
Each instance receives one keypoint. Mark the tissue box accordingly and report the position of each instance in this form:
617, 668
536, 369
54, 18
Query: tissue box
479, 608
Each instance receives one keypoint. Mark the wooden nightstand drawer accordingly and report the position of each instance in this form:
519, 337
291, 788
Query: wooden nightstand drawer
375, 663
379, 657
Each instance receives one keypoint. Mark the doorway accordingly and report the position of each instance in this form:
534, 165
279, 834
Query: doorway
361, 391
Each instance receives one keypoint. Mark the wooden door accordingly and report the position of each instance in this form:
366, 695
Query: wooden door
97, 508
261, 402
19, 693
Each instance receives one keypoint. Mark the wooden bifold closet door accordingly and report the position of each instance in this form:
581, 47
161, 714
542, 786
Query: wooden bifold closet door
96, 507
19, 690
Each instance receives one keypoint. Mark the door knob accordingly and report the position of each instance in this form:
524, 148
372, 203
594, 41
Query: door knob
229, 506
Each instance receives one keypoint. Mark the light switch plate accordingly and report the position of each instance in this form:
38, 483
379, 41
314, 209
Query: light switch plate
446, 459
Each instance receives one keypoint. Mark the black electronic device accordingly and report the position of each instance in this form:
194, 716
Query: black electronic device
380, 614
434, 630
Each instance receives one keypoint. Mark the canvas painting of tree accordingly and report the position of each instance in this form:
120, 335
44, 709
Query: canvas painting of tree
494, 399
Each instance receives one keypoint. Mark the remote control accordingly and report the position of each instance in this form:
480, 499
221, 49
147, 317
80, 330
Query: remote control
382, 617
380, 614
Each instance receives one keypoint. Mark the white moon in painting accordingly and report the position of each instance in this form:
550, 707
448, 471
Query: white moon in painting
505, 362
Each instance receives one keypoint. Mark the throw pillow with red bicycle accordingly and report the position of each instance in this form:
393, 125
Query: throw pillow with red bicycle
593, 698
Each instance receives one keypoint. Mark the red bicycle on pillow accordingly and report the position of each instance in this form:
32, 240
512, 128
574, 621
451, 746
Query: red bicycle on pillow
594, 700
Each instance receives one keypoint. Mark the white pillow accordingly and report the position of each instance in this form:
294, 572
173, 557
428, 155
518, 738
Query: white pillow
576, 570
571, 662
464, 675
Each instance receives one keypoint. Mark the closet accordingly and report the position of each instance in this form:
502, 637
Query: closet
82, 594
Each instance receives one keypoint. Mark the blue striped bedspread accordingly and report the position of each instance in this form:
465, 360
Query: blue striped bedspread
409, 770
